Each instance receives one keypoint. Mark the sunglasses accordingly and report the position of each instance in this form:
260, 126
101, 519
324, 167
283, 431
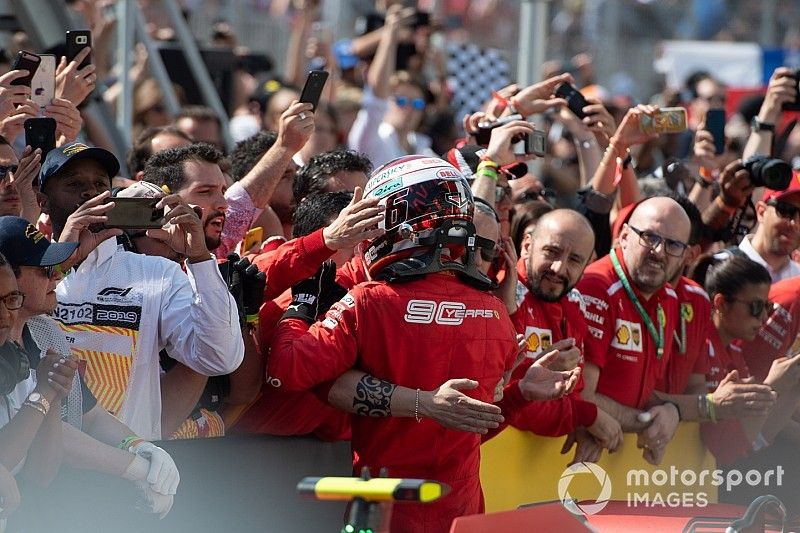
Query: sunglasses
653, 240
404, 101
756, 307
489, 254
4, 170
784, 210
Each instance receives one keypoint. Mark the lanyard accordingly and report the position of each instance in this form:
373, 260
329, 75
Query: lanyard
658, 336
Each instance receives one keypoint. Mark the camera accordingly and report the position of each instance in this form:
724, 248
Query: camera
769, 172
484, 133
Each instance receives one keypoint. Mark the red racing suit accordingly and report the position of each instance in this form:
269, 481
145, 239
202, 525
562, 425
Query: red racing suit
277, 411
416, 334
689, 354
619, 343
780, 335
543, 324
725, 439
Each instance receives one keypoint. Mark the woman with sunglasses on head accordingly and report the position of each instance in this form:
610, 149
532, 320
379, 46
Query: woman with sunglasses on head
739, 292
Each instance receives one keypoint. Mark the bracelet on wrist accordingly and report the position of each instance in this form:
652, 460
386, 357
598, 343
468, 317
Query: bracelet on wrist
129, 442
416, 408
487, 162
712, 415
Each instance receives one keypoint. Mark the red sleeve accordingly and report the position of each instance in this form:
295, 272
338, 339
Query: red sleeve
598, 320
292, 262
554, 418
726, 440
302, 357
351, 273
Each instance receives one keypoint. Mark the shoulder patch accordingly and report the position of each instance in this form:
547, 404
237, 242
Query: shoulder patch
614, 288
697, 290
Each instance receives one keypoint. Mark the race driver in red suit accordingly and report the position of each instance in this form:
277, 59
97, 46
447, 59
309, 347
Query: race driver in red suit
425, 320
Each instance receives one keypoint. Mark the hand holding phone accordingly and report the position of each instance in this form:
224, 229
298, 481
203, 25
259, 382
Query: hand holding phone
77, 40
312, 90
43, 83
135, 213
667, 120
25, 61
575, 100
715, 125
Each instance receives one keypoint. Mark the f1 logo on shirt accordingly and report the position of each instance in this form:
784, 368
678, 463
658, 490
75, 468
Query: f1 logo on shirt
444, 313
627, 336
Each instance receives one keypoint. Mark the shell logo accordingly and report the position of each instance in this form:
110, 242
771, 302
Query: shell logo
623, 334
533, 342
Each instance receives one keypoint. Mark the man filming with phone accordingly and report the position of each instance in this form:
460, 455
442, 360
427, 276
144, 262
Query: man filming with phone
119, 309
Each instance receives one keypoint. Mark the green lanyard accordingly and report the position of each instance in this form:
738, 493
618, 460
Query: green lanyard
658, 336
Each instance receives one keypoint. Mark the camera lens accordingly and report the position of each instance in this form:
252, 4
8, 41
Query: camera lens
774, 174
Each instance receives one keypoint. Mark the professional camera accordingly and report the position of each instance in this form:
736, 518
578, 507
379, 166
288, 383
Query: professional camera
768, 172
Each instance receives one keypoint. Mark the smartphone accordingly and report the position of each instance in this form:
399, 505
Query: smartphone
794, 106
25, 61
715, 125
312, 90
575, 100
77, 40
40, 133
667, 120
484, 134
536, 143
43, 83
135, 213
251, 238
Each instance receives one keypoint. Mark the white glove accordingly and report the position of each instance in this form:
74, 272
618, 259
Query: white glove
150, 501
163, 475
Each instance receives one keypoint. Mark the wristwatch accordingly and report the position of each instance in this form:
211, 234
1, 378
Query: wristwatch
38, 402
757, 126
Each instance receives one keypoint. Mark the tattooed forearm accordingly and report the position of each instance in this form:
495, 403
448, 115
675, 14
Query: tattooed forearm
373, 397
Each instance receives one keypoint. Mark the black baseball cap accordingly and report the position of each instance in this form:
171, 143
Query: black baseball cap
24, 245
58, 157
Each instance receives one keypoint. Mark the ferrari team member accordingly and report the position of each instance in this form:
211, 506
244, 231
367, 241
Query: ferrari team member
632, 315
547, 310
380, 326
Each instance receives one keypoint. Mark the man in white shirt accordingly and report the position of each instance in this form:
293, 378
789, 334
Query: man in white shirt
119, 309
778, 232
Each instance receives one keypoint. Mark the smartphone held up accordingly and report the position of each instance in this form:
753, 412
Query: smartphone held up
667, 120
135, 213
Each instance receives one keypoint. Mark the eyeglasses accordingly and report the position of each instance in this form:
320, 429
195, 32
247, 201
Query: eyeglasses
654, 240
785, 210
416, 103
756, 307
500, 192
13, 300
4, 170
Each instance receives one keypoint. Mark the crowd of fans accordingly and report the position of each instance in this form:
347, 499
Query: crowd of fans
378, 270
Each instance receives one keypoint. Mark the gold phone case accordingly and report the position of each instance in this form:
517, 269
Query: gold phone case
667, 120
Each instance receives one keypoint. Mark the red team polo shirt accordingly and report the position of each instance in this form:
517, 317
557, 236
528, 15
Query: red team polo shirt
689, 339
725, 439
780, 335
619, 343
543, 324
